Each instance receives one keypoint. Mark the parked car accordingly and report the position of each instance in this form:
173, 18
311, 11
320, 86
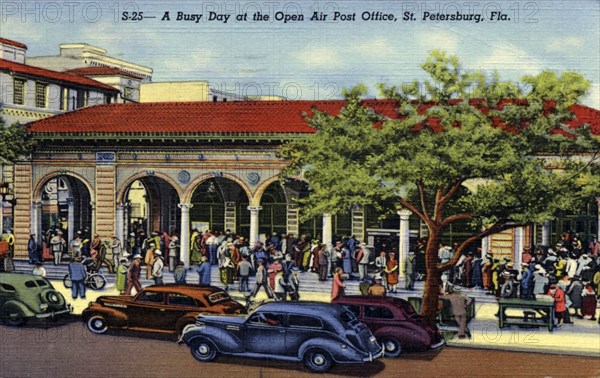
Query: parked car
24, 296
320, 334
162, 308
394, 323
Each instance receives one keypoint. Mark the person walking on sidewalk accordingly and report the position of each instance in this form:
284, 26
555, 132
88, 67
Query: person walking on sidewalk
133, 275
459, 305
559, 303
410, 271
77, 273
338, 289
261, 280
157, 267
204, 272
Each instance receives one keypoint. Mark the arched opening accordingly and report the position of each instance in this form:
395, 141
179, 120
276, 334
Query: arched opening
273, 216
220, 204
152, 206
65, 204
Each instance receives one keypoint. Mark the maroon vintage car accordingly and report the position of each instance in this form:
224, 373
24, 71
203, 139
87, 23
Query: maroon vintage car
163, 308
394, 323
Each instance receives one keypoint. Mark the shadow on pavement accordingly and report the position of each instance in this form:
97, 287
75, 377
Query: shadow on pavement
348, 370
34, 323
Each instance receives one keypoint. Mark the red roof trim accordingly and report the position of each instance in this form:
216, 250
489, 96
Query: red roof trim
13, 43
24, 69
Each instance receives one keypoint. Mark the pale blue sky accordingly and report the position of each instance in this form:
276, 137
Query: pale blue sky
315, 60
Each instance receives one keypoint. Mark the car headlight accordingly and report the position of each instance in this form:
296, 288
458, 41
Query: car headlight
43, 306
372, 339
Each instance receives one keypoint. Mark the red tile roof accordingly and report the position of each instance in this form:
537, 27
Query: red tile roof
236, 117
7, 65
101, 71
13, 43
197, 117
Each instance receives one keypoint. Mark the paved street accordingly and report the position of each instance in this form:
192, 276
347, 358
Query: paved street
67, 348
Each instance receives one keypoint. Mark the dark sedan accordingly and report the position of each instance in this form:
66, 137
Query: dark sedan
320, 334
162, 308
394, 323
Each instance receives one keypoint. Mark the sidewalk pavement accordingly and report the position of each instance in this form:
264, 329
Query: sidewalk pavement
581, 338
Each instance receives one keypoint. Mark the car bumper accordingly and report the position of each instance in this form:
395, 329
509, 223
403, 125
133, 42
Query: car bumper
438, 345
54, 313
374, 356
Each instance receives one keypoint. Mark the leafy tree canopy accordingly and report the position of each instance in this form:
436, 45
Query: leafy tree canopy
15, 142
464, 147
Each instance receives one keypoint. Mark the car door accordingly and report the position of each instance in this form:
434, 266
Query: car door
146, 311
265, 333
179, 305
301, 328
377, 316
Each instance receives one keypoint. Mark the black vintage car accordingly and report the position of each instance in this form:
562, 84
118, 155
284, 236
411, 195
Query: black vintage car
320, 334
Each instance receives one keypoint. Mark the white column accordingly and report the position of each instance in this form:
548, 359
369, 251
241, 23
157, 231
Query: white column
254, 224
485, 246
70, 219
119, 222
33, 220
404, 238
546, 234
519, 245
327, 229
184, 240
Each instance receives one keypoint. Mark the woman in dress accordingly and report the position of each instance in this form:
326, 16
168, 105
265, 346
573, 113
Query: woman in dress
338, 289
588, 302
391, 271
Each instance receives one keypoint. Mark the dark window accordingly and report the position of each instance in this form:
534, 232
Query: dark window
30, 284
215, 98
267, 319
150, 297
355, 309
176, 299
378, 312
19, 92
8, 287
41, 95
303, 321
41, 283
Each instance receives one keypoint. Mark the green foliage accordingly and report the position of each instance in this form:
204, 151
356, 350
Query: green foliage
444, 143
15, 142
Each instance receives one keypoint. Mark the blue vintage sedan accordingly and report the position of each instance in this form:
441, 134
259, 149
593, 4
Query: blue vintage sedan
320, 334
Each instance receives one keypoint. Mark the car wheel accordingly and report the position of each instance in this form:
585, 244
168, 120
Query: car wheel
97, 324
392, 347
96, 282
203, 350
318, 360
67, 282
13, 316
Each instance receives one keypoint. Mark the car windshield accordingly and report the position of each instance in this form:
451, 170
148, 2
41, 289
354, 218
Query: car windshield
348, 319
219, 296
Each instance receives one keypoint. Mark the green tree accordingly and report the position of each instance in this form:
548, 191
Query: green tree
15, 141
464, 148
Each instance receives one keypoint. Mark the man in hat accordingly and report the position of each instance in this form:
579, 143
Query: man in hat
261, 279
362, 259
322, 261
32, 250
78, 274
149, 260
376, 289
173, 252
243, 269
410, 271
133, 275
157, 267
117, 250
459, 305
204, 272
58, 246
526, 279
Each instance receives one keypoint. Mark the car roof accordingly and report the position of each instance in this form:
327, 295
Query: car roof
303, 307
364, 299
18, 277
190, 289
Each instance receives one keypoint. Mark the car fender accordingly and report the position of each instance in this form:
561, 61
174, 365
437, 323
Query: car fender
334, 348
409, 338
27, 312
224, 341
114, 317
189, 318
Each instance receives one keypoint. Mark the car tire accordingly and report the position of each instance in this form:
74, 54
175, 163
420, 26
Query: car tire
203, 350
318, 360
392, 347
67, 282
97, 324
13, 316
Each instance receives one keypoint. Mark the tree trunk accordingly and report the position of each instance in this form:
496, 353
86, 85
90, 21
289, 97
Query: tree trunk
431, 289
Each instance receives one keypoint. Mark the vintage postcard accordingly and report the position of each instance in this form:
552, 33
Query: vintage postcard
288, 188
